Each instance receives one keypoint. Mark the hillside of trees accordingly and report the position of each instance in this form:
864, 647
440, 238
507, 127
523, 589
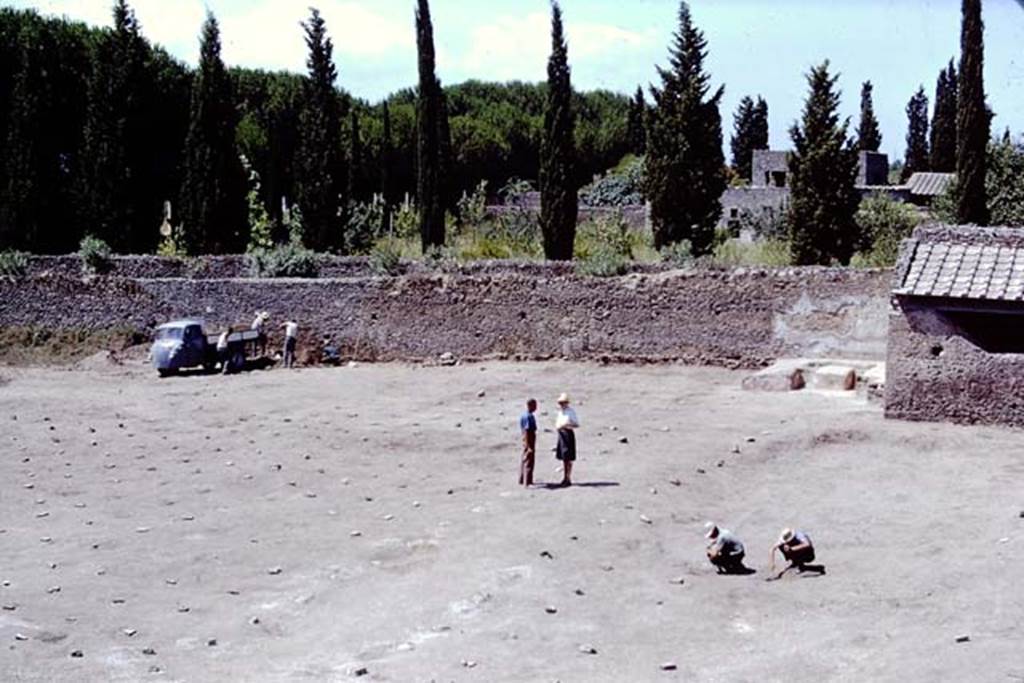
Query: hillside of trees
67, 90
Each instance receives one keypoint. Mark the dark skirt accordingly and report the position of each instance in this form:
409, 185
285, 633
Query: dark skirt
566, 445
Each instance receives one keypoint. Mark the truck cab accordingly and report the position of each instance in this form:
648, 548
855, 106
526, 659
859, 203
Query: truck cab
180, 344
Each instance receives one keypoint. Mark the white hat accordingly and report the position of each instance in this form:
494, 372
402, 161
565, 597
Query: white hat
710, 529
563, 398
786, 536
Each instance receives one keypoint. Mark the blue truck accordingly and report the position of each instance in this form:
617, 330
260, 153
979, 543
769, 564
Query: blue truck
184, 344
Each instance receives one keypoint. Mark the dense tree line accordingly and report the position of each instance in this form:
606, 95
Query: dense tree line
93, 128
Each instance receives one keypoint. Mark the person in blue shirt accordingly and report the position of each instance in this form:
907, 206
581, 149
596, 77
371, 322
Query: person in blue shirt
528, 428
797, 548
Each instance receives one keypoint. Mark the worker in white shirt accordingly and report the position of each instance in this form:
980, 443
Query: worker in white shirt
291, 335
222, 350
566, 423
257, 326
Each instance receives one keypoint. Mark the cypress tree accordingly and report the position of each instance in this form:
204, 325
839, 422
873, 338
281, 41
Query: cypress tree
559, 206
759, 129
387, 171
429, 111
113, 194
823, 175
355, 159
685, 164
212, 208
23, 189
321, 176
750, 132
636, 135
943, 142
869, 138
973, 119
917, 157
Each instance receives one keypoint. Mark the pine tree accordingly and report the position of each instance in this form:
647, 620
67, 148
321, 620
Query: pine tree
973, 120
750, 132
943, 142
685, 163
869, 138
212, 208
917, 158
823, 175
559, 206
429, 148
636, 135
112, 190
320, 171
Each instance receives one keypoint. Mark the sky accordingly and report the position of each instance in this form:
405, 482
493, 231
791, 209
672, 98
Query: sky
756, 47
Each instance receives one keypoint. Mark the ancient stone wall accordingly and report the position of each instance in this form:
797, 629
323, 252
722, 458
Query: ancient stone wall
936, 373
739, 318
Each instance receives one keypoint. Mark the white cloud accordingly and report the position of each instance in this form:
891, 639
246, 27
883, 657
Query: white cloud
518, 47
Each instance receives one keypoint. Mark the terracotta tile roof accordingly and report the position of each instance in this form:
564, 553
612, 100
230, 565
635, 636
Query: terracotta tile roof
965, 271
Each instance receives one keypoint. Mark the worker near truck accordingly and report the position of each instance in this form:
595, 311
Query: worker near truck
291, 336
223, 353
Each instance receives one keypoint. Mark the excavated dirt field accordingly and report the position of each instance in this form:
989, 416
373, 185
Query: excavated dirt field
326, 525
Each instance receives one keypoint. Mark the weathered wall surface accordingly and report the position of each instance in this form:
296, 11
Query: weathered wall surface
740, 318
936, 373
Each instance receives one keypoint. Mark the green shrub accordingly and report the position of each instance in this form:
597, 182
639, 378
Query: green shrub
622, 186
678, 255
95, 255
365, 225
13, 263
386, 257
260, 224
764, 254
473, 207
406, 221
288, 260
884, 223
604, 246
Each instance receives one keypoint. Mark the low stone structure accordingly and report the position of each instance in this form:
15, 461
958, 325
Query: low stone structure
956, 339
743, 318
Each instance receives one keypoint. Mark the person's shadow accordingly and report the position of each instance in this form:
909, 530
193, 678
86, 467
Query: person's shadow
583, 485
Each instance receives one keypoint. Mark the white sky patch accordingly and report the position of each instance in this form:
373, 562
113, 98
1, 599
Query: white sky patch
518, 47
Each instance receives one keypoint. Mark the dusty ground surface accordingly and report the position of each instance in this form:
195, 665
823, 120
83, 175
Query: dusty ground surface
313, 524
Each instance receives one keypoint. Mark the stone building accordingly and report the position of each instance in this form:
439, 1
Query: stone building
956, 327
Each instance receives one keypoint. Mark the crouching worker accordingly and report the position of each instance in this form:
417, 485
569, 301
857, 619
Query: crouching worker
797, 548
725, 551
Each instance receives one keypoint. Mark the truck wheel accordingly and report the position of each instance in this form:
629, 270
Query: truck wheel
208, 368
237, 361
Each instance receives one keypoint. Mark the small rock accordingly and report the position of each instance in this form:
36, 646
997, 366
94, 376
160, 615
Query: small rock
171, 582
546, 554
551, 610
701, 470
274, 571
155, 669
579, 592
148, 651
721, 463
607, 568
212, 642
356, 534
679, 581
675, 482
481, 394
46, 539
255, 621
963, 639
624, 440
129, 632
188, 518
40, 515
361, 671
751, 439
669, 666
9, 607
20, 636
77, 654
645, 519
184, 609
468, 663
588, 649
736, 450
388, 518
53, 589
142, 530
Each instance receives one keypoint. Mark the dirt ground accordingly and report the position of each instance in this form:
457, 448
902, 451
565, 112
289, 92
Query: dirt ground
322, 525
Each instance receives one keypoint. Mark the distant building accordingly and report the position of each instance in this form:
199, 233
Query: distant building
767, 195
956, 342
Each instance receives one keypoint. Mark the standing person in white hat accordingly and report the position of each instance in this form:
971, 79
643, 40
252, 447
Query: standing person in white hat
258, 324
566, 423
797, 548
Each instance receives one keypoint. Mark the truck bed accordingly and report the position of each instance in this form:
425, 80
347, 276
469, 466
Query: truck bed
234, 337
